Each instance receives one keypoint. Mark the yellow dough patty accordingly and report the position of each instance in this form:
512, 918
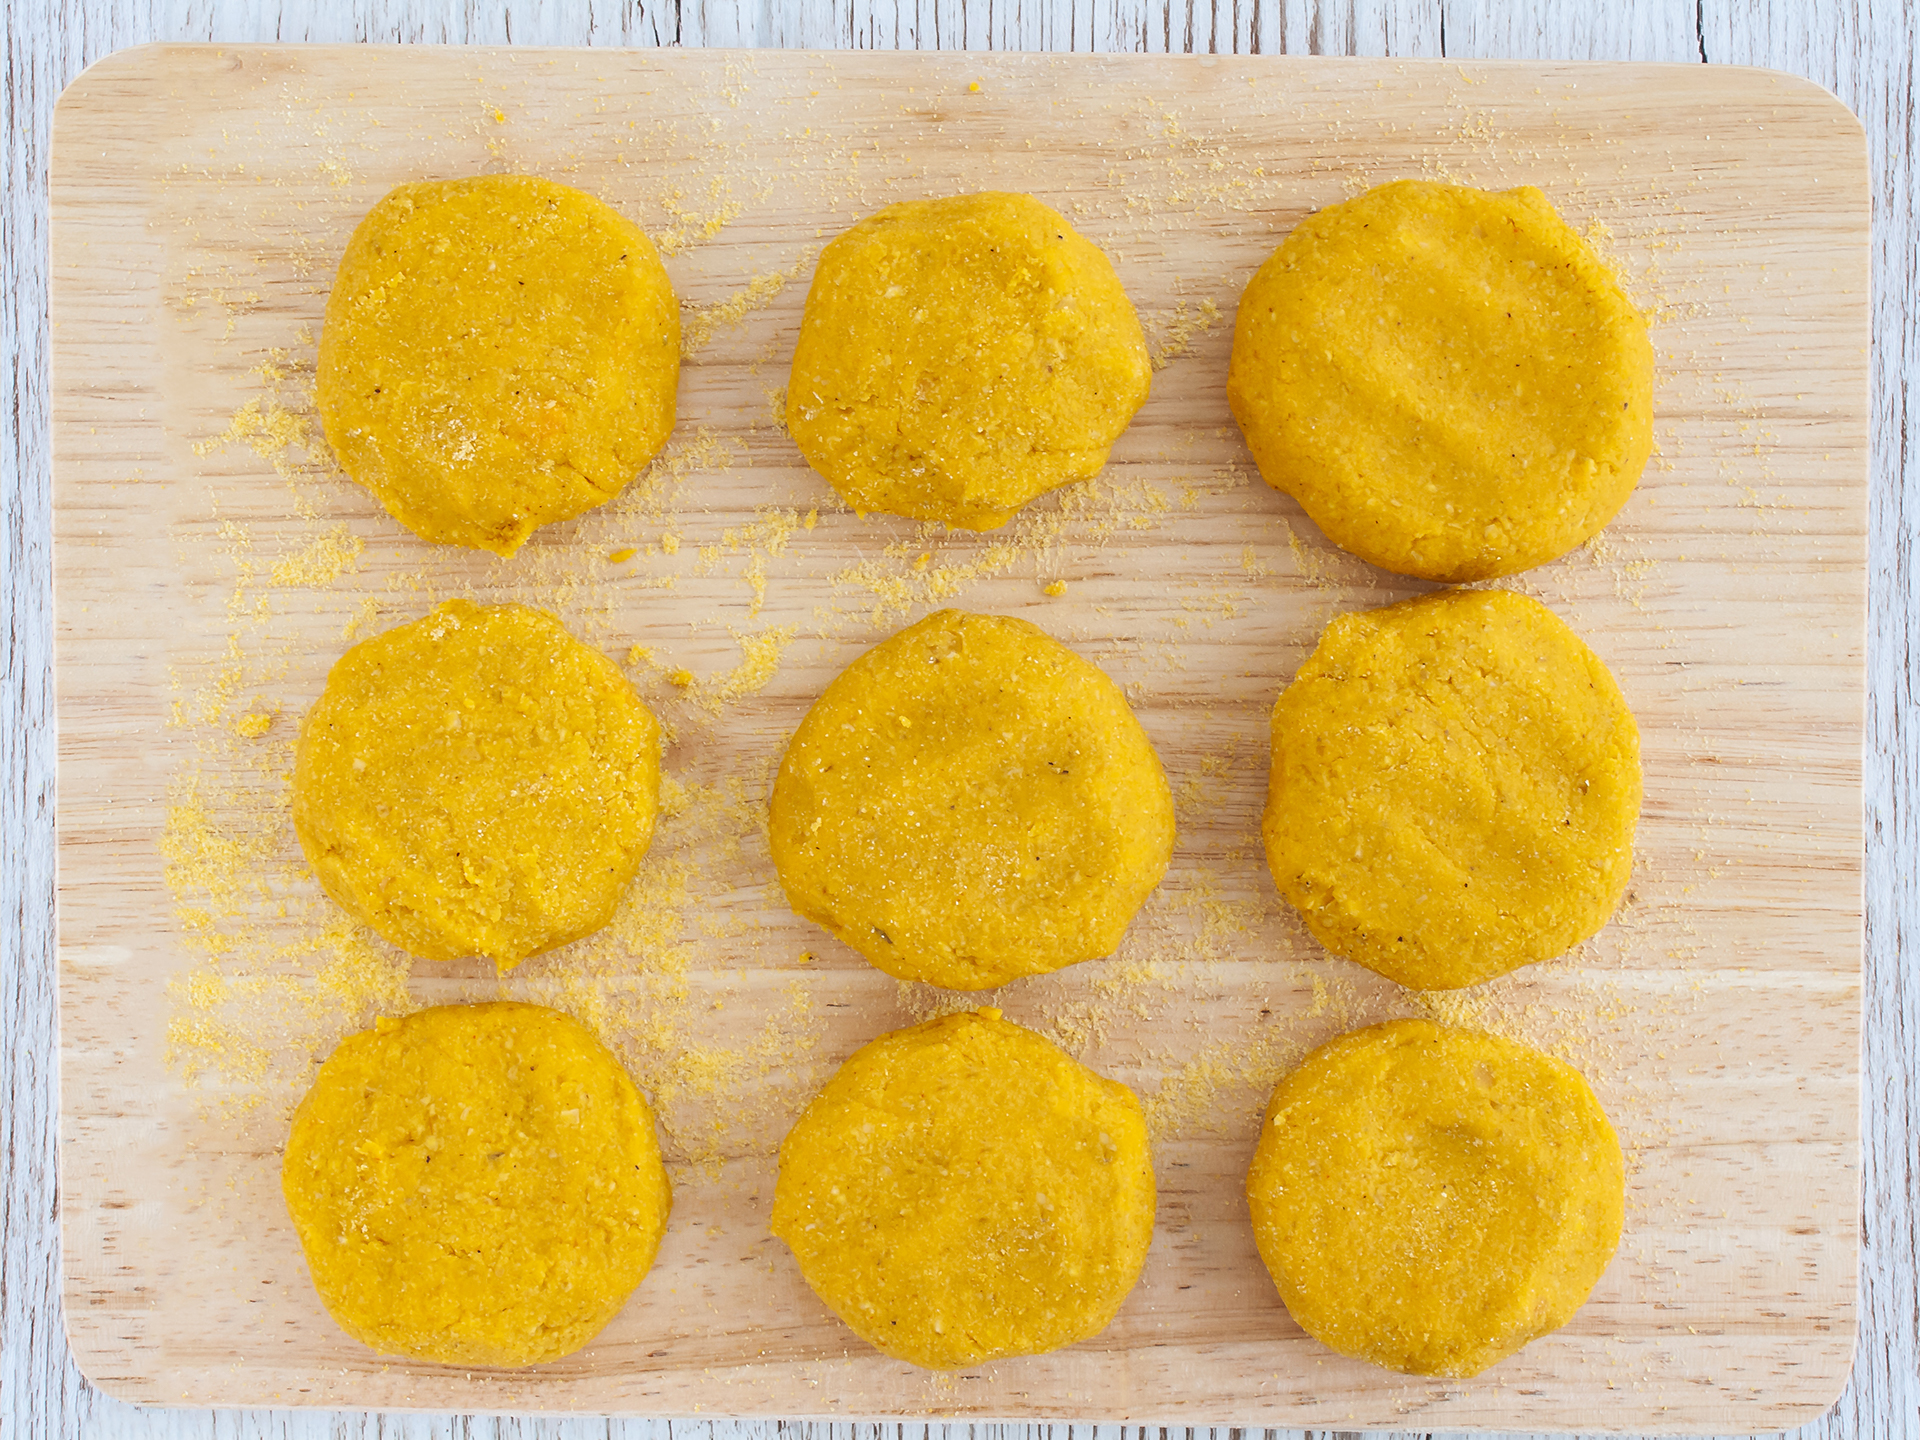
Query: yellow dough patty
959, 357
498, 353
1431, 1200
969, 802
476, 1185
477, 783
1455, 785
964, 1190
1448, 380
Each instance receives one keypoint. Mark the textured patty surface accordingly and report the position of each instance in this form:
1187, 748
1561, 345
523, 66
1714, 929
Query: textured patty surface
1455, 787
960, 356
964, 1190
498, 353
970, 801
1431, 1199
1448, 380
475, 1185
477, 782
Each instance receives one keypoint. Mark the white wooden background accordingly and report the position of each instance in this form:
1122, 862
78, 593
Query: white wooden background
1864, 51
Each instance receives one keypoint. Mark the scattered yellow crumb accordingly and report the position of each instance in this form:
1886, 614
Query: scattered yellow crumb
1058, 587
321, 561
622, 555
1177, 330
267, 429
692, 226
759, 292
670, 543
363, 619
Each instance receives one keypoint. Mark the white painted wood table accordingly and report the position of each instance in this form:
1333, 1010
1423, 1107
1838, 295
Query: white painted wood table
1864, 53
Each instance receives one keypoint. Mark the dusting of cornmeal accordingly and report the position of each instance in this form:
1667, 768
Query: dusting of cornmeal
281, 426
713, 694
691, 222
1171, 336
761, 539
259, 998
935, 566
265, 427
699, 326
321, 561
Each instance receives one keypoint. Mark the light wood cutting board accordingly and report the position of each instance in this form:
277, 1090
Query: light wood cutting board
210, 567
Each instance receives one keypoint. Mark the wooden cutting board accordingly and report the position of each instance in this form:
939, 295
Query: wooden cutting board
211, 564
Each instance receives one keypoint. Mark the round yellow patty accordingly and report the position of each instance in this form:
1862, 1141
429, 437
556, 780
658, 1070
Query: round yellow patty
959, 357
477, 783
476, 1184
963, 1190
1448, 380
1431, 1199
498, 353
1454, 789
969, 802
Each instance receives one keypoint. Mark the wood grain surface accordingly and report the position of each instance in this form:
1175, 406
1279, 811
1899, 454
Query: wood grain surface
1864, 54
210, 566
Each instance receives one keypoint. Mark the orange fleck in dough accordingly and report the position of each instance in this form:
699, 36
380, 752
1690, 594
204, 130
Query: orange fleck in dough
477, 783
1455, 785
1448, 380
498, 353
959, 357
964, 1190
1431, 1200
969, 802
475, 1185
